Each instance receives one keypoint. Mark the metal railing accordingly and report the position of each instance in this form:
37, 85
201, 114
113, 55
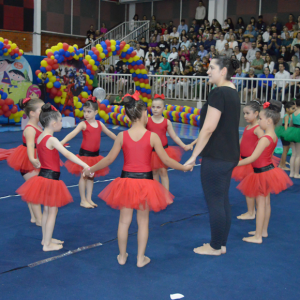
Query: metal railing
194, 88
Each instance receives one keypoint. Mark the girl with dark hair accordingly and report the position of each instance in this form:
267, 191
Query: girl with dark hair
24, 158
89, 150
218, 143
240, 24
230, 23
136, 189
266, 178
46, 188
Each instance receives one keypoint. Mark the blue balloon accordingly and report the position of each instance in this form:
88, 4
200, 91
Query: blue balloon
102, 120
46, 80
91, 52
104, 46
133, 63
97, 117
148, 91
105, 51
1, 52
77, 120
1, 45
53, 72
143, 90
89, 92
118, 42
94, 57
61, 107
91, 77
139, 62
85, 89
188, 116
114, 53
19, 109
127, 63
88, 72
56, 56
105, 102
97, 63
81, 51
4, 96
123, 55
117, 47
61, 51
73, 53
10, 106
145, 76
43, 69
71, 114
56, 53
139, 76
138, 88
129, 51
57, 84
5, 50
134, 75
39, 80
67, 54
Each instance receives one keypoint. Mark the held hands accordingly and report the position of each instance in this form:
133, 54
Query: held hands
188, 147
36, 163
190, 163
86, 172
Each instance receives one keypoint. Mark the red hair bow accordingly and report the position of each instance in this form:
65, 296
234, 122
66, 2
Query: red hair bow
266, 105
92, 98
53, 108
162, 96
135, 96
26, 100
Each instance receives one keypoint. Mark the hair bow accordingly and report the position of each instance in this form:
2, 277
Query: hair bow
266, 105
135, 96
162, 96
92, 98
53, 108
26, 100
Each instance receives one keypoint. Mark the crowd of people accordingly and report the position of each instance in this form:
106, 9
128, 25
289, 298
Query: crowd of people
92, 35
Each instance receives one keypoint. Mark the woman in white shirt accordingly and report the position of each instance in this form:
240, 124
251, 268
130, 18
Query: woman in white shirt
245, 66
166, 35
266, 35
294, 63
232, 42
150, 52
173, 55
269, 63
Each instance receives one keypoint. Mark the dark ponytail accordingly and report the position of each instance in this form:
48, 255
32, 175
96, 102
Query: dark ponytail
134, 108
273, 111
229, 63
288, 104
48, 114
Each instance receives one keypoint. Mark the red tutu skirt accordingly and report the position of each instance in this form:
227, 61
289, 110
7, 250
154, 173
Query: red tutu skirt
5, 153
19, 160
49, 192
90, 160
261, 184
136, 194
239, 173
173, 152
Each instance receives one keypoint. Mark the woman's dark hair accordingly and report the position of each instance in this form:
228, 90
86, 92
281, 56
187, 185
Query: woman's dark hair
297, 100
273, 111
91, 104
253, 20
254, 105
230, 64
288, 104
134, 108
48, 114
113, 69
242, 21
29, 106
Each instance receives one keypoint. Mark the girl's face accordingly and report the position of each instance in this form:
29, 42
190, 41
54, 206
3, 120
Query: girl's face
214, 72
242, 59
263, 121
120, 94
291, 109
36, 114
157, 107
249, 114
267, 71
56, 124
89, 113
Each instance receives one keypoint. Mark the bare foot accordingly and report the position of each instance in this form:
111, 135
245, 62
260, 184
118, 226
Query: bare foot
143, 262
286, 169
252, 239
122, 260
263, 235
54, 241
91, 202
297, 176
33, 220
206, 249
52, 247
246, 216
292, 175
86, 205
223, 249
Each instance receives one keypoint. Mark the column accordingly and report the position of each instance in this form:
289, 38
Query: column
217, 9
36, 39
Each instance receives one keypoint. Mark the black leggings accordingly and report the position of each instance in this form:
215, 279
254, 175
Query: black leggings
215, 178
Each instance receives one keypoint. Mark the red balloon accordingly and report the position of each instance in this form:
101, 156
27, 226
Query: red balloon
5, 107
119, 52
132, 54
94, 49
50, 61
7, 114
142, 80
12, 52
102, 107
135, 79
14, 109
55, 61
130, 67
108, 49
96, 52
67, 112
107, 42
83, 100
149, 96
49, 54
59, 93
144, 94
135, 67
146, 81
69, 102
141, 67
1, 112
5, 41
54, 91
37, 72
55, 66
2, 102
48, 68
89, 67
127, 56
9, 101
85, 62
114, 116
65, 46
90, 87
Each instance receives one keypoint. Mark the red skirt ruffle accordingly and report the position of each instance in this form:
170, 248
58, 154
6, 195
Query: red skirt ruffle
261, 184
173, 152
49, 192
137, 194
5, 153
90, 160
19, 160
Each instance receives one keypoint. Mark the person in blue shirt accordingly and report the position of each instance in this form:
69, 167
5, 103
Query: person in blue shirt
263, 85
183, 26
209, 42
274, 45
250, 33
239, 82
202, 52
165, 66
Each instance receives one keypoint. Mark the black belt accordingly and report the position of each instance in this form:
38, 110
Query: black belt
165, 147
264, 169
243, 157
25, 145
83, 152
136, 175
46, 173
297, 126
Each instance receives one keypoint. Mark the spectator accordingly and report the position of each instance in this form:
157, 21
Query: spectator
217, 34
225, 27
250, 33
123, 80
182, 64
158, 28
253, 23
174, 43
296, 75
183, 82
166, 53
193, 55
162, 44
171, 26
185, 43
173, 56
229, 34
281, 61
200, 13
287, 42
245, 66
185, 52
182, 26
175, 33
90, 31
261, 25
153, 42
163, 28
149, 52
102, 68
226, 51
197, 61
158, 52
97, 34
195, 26
153, 24
119, 66
191, 33
239, 37
264, 51
246, 45
267, 35
296, 51
284, 32
183, 34
150, 63
257, 64
239, 82
220, 44
202, 52
259, 42
200, 42
250, 84
90, 40
294, 64
274, 29
283, 83
166, 35
296, 40
285, 54
252, 52
139, 52
144, 18
276, 24
212, 52
144, 45
118, 99
103, 29
290, 23
215, 24
231, 26
296, 29
264, 86
240, 24
209, 42
237, 53
298, 21
269, 63
165, 66
274, 45
205, 63
232, 42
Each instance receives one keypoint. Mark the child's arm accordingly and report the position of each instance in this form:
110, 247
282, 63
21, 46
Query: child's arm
262, 144
55, 143
286, 122
162, 154
258, 132
109, 159
176, 139
29, 134
108, 132
81, 126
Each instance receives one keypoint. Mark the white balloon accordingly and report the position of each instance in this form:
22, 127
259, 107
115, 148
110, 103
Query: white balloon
99, 93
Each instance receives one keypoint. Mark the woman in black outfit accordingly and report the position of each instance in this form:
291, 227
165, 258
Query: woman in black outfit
218, 143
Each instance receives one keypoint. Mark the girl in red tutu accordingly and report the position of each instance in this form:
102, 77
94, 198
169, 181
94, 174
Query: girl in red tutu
89, 150
136, 189
24, 158
46, 188
248, 142
161, 126
266, 178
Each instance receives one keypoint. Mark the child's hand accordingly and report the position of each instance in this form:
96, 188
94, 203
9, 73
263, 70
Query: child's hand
188, 168
86, 172
36, 163
188, 147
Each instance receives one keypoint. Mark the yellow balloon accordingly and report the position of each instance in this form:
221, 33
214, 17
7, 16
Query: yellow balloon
64, 95
113, 42
77, 112
11, 117
114, 122
149, 104
84, 94
6, 53
113, 48
88, 57
81, 114
52, 79
57, 99
94, 68
17, 120
78, 105
1, 39
71, 49
147, 86
143, 71
90, 82
137, 71
136, 58
131, 71
142, 85
75, 99
13, 46
40, 75
91, 62
60, 45
110, 54
130, 60
49, 74
75, 46
137, 83
102, 55
47, 51
50, 85
44, 63
102, 114
145, 99
106, 117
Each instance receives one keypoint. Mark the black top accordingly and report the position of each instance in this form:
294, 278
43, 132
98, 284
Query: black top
224, 142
